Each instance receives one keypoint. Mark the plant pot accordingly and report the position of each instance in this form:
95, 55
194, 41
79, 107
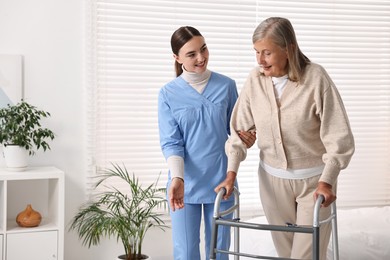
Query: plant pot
16, 157
144, 257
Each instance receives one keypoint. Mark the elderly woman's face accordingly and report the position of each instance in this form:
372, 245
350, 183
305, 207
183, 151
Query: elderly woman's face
271, 58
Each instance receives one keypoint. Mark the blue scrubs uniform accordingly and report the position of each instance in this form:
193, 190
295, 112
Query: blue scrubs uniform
196, 126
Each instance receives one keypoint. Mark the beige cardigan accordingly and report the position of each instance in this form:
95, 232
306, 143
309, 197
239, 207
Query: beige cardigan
307, 128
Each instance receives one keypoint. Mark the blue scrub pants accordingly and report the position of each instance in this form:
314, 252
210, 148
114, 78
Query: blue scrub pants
186, 231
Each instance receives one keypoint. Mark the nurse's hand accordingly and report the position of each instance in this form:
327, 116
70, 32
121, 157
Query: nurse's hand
248, 138
176, 194
228, 184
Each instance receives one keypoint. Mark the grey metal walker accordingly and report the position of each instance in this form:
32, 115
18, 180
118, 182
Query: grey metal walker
237, 224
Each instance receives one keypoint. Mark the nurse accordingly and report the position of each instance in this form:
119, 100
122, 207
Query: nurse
194, 112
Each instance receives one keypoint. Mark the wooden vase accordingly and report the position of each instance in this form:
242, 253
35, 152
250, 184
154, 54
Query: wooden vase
29, 217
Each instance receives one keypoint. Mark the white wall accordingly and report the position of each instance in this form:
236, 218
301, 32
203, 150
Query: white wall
49, 35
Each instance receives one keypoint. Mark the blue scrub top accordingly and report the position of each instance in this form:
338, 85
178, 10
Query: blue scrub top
196, 126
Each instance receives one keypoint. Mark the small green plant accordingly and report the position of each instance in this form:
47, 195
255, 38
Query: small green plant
126, 215
20, 125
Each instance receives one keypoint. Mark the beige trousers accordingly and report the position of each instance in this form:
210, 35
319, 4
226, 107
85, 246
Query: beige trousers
291, 201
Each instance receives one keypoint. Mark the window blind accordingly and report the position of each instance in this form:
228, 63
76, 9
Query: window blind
128, 59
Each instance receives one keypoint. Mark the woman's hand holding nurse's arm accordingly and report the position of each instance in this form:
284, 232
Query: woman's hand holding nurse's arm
176, 194
228, 184
325, 189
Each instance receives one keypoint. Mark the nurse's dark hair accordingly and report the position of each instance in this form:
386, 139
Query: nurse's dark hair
281, 32
180, 37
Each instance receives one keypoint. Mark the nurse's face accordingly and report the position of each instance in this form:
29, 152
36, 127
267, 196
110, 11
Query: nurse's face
194, 55
272, 59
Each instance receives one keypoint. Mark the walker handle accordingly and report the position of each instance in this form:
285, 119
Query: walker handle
218, 200
317, 206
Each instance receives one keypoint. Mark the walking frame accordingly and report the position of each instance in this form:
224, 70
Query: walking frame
237, 224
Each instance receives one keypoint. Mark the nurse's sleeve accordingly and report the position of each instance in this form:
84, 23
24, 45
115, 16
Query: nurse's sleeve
171, 139
176, 166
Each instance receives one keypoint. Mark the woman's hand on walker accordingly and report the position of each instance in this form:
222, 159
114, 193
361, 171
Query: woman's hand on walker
228, 184
325, 189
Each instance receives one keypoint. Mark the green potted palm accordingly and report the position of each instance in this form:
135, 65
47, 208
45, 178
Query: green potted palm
126, 214
21, 132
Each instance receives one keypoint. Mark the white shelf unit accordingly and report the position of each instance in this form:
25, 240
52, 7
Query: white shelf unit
43, 188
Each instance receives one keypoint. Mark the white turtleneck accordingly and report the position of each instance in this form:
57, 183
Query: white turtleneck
197, 80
